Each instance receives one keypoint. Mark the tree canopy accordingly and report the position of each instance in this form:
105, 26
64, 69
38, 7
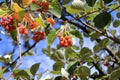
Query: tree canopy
69, 24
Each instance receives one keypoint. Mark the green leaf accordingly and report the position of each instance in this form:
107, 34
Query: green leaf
34, 7
113, 6
58, 65
91, 2
56, 72
70, 53
83, 72
95, 36
77, 33
85, 54
14, 35
107, 1
116, 23
92, 16
118, 14
59, 53
115, 75
98, 4
104, 43
113, 32
28, 54
66, 1
96, 48
71, 67
102, 20
55, 9
55, 57
51, 36
85, 50
71, 10
28, 71
40, 20
21, 73
34, 68
3, 12
3, 60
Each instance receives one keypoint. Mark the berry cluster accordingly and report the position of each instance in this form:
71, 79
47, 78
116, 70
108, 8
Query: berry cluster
22, 29
44, 6
37, 36
65, 41
8, 23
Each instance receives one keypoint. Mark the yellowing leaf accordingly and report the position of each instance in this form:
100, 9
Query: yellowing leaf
2, 12
18, 12
17, 16
27, 17
26, 2
17, 8
50, 21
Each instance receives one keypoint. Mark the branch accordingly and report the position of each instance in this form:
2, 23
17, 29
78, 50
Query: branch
19, 56
98, 40
100, 71
115, 39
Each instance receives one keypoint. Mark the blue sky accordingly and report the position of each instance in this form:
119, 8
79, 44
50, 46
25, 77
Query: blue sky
46, 62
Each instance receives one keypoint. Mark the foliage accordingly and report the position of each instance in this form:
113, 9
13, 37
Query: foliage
65, 24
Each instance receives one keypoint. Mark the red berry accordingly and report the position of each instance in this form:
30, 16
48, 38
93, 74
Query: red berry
67, 37
26, 32
61, 43
70, 44
10, 17
19, 24
7, 27
106, 64
69, 40
65, 45
62, 38
4, 18
34, 1
7, 22
21, 30
31, 23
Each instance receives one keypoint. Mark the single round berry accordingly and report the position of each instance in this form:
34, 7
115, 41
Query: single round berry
106, 64
26, 32
21, 30
65, 45
62, 43
4, 18
19, 24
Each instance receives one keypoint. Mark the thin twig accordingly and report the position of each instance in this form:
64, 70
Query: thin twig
19, 51
19, 57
